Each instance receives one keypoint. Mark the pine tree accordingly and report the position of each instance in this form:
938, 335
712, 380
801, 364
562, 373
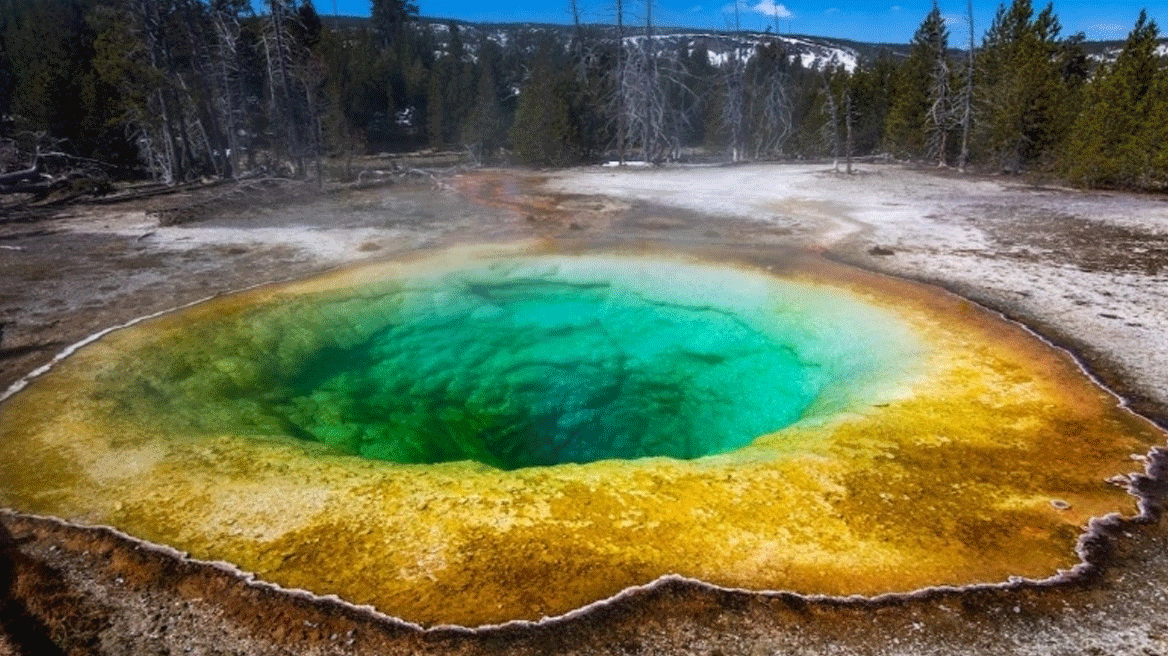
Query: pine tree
546, 131
921, 117
436, 107
1027, 87
483, 129
1109, 144
1155, 133
47, 79
872, 89
390, 16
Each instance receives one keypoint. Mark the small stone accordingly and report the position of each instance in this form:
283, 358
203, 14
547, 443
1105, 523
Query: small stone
1059, 504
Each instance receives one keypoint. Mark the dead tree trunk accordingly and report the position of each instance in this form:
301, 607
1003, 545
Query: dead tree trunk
848, 127
227, 37
312, 75
620, 80
967, 99
673, 103
774, 104
940, 111
278, 71
170, 165
32, 173
833, 121
649, 83
737, 94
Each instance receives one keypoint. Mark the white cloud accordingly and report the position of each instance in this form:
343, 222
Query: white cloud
897, 8
769, 8
831, 10
695, 9
764, 7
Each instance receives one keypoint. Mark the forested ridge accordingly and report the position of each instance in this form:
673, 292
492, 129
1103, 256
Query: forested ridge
193, 89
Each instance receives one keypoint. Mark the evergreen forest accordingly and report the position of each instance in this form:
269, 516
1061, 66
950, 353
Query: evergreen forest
179, 90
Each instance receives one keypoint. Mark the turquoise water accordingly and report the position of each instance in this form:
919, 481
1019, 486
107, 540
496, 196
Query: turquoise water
543, 373
516, 365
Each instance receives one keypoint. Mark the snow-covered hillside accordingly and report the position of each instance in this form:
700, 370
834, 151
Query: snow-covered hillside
1108, 51
720, 48
809, 52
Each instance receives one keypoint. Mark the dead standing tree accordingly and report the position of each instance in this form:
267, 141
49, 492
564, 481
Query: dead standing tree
734, 107
776, 114
940, 116
831, 128
163, 57
277, 44
965, 99
770, 100
650, 107
839, 110
679, 102
849, 121
311, 73
732, 80
152, 108
638, 97
620, 81
228, 81
657, 98
650, 95
152, 51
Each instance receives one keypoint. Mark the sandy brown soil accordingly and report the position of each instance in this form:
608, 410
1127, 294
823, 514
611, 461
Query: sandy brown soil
66, 276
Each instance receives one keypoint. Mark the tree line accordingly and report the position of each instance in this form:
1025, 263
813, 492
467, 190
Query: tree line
182, 89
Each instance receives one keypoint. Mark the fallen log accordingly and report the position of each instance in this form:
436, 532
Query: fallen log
37, 188
20, 176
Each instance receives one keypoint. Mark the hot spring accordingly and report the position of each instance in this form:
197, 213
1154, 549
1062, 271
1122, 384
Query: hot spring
521, 367
489, 434
526, 363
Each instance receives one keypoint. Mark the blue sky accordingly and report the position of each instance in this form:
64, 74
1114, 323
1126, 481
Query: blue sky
889, 21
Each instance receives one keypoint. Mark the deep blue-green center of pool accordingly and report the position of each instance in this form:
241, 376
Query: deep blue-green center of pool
528, 373
516, 363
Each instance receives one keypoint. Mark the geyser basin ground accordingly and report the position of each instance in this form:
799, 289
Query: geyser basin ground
930, 444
